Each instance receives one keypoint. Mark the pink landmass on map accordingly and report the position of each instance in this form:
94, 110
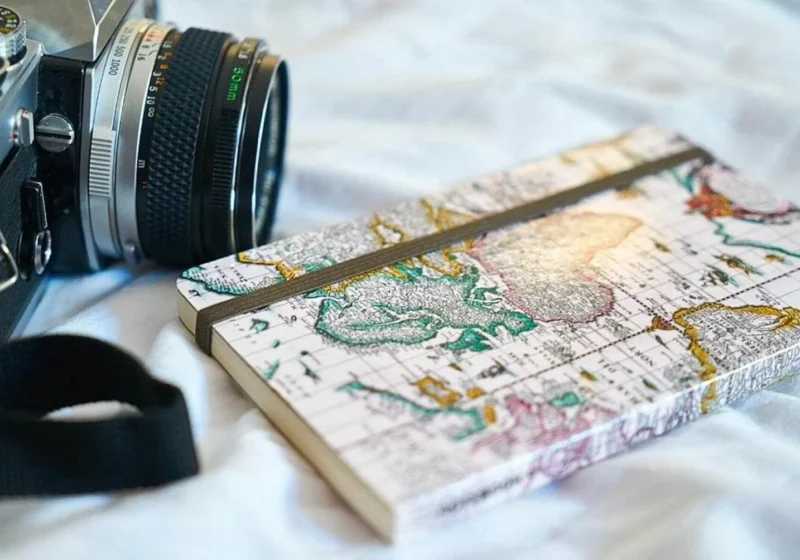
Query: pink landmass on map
540, 425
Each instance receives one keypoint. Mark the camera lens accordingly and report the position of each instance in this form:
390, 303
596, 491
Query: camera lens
187, 146
239, 187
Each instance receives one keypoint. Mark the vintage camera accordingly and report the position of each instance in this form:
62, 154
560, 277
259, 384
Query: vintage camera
124, 138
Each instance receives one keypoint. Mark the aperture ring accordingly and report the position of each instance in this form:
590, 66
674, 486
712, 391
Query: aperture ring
155, 90
165, 225
133, 110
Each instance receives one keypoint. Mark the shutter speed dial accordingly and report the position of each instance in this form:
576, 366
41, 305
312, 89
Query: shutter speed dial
13, 36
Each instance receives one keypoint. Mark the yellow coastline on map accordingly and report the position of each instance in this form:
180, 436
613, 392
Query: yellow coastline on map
454, 380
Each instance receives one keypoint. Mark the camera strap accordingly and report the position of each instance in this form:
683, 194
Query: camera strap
42, 456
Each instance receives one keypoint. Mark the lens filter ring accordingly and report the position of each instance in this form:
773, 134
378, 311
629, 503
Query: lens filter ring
263, 143
220, 169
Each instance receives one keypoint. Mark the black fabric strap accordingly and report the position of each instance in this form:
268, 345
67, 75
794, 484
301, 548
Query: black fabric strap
40, 457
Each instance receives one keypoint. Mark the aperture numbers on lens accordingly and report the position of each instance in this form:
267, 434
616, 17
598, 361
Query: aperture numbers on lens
158, 76
151, 42
155, 88
163, 50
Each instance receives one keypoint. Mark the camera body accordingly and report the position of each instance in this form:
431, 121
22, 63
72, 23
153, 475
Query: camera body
40, 194
122, 138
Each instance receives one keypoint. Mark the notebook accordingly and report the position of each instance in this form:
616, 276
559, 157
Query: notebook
447, 382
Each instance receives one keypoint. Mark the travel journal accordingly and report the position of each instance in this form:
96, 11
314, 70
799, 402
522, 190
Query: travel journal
444, 357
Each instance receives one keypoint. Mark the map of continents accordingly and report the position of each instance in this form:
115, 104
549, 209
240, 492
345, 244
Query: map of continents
546, 280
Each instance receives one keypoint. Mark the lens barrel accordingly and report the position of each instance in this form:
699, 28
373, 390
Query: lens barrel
187, 161
238, 177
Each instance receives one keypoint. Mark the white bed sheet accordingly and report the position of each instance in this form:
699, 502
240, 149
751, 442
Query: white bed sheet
392, 99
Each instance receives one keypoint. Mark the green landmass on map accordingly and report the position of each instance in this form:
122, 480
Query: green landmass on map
201, 276
475, 421
272, 368
470, 339
570, 398
412, 307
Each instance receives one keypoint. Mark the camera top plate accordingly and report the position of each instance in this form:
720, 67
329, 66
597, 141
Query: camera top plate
74, 29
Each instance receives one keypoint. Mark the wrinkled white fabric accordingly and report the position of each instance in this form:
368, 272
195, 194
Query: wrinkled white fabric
392, 99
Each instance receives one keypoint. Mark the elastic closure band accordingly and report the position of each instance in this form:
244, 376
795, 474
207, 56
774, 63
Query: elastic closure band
263, 297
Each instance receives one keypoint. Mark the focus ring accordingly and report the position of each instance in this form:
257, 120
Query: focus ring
165, 226
218, 212
220, 242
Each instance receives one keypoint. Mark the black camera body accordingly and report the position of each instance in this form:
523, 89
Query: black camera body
36, 183
126, 139
17, 297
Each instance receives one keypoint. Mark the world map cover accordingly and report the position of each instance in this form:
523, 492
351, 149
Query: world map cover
463, 377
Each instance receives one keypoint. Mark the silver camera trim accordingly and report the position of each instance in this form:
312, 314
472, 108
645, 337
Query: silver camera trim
116, 134
74, 29
91, 89
18, 91
112, 117
105, 133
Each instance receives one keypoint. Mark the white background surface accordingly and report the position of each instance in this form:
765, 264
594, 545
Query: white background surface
392, 99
